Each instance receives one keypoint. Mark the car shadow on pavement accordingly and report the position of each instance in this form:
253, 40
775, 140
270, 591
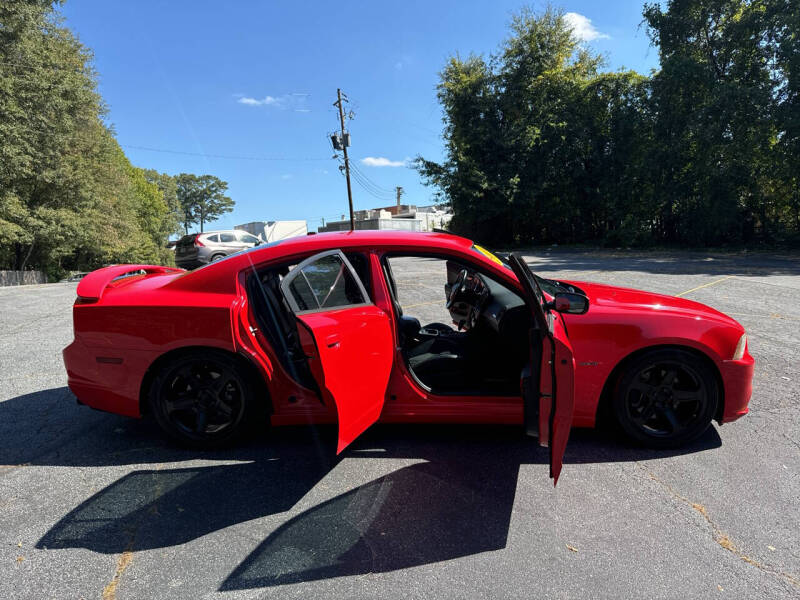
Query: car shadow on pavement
456, 503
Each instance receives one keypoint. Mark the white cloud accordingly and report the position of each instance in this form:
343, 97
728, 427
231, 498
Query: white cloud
583, 29
380, 161
265, 101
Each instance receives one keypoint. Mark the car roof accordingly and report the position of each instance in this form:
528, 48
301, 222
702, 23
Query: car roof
371, 237
208, 277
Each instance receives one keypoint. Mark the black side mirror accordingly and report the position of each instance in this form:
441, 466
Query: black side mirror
572, 304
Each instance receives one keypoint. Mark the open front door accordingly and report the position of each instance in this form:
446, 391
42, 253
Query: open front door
549, 406
348, 339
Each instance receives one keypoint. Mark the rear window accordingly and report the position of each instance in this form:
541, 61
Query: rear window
187, 240
213, 238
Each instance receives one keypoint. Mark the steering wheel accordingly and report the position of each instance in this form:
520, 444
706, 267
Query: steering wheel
457, 288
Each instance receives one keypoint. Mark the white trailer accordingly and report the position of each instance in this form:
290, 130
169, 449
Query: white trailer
272, 231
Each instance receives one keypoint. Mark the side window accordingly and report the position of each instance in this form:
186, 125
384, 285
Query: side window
323, 282
247, 238
213, 238
227, 238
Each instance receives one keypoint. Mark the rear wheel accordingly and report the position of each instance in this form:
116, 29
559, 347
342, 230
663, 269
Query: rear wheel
666, 398
217, 257
204, 399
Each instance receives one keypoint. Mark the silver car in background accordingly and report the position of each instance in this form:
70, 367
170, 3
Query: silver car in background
197, 249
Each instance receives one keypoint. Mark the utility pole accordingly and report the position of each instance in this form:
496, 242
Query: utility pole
345, 143
399, 191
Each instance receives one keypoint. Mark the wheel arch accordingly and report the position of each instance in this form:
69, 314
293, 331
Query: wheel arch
246, 363
603, 411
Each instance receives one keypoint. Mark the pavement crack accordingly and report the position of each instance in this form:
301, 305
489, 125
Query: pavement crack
792, 441
126, 558
123, 562
720, 537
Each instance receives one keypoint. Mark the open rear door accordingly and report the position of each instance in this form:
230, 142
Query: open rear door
556, 377
351, 348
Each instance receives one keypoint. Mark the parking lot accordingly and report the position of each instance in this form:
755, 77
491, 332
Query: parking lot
94, 505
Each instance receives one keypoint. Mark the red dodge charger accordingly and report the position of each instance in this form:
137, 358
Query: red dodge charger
312, 330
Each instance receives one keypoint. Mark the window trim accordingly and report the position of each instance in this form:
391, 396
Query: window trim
298, 269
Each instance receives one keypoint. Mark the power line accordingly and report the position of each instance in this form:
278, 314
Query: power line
370, 188
364, 175
372, 192
226, 156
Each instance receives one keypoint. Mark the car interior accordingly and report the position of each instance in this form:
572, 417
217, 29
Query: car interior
485, 349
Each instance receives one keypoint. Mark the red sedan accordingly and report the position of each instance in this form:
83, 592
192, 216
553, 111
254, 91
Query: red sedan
313, 330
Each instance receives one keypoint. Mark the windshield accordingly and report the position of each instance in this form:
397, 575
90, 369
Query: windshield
548, 286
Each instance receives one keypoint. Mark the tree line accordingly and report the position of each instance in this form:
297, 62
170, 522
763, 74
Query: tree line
543, 145
69, 197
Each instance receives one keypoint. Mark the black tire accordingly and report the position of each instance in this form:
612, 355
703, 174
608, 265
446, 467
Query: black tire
217, 257
666, 398
204, 399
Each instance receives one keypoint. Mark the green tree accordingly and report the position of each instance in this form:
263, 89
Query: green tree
49, 115
542, 145
69, 197
169, 190
715, 127
202, 198
515, 135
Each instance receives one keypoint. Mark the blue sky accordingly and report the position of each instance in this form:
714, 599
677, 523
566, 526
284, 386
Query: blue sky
257, 79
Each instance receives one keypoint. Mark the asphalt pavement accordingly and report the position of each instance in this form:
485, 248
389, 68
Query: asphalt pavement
94, 505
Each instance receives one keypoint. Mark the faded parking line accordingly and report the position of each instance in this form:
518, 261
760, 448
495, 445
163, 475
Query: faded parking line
705, 285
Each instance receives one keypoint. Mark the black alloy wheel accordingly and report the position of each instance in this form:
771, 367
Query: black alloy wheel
203, 399
666, 398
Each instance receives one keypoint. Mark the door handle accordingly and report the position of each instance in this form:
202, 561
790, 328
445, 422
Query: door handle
332, 341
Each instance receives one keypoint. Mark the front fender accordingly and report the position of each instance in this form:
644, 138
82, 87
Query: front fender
601, 341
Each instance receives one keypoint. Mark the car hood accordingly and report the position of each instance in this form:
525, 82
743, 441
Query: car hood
613, 297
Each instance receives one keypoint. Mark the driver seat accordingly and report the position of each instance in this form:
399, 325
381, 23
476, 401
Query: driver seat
438, 360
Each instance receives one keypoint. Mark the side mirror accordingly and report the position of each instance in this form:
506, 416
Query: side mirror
572, 304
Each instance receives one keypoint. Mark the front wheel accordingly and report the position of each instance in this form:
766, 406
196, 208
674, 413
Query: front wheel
666, 398
203, 399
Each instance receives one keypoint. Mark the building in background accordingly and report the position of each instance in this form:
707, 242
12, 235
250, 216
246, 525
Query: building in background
434, 217
272, 231
403, 217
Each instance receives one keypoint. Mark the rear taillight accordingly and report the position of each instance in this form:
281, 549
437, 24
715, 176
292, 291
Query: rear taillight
198, 243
